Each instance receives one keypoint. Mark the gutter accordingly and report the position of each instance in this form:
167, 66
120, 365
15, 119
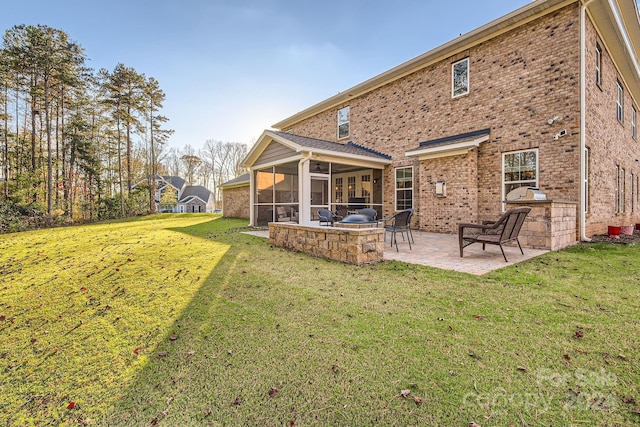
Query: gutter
583, 117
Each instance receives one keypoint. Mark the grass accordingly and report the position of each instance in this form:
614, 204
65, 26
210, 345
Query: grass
183, 320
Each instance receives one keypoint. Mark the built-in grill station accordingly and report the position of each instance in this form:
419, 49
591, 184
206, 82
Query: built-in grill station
526, 194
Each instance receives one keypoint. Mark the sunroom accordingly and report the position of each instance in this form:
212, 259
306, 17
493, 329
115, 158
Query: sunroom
292, 177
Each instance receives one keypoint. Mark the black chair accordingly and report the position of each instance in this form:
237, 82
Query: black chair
506, 229
371, 213
327, 217
399, 223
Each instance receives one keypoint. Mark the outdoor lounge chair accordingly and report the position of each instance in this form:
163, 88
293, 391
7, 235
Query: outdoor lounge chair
327, 217
398, 223
371, 213
505, 229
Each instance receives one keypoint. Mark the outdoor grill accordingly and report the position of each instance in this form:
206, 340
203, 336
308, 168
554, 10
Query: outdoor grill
356, 219
524, 194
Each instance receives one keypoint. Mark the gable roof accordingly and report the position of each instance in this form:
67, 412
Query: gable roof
322, 145
191, 191
618, 19
450, 145
239, 181
350, 152
175, 181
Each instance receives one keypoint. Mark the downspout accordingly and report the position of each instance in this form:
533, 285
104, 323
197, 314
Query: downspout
583, 116
304, 214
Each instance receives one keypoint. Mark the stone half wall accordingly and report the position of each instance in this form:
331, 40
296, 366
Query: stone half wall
236, 202
353, 246
550, 225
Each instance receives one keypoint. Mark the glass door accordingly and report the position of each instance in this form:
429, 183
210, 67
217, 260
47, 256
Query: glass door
319, 195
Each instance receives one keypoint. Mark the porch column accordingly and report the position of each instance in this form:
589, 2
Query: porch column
252, 191
304, 191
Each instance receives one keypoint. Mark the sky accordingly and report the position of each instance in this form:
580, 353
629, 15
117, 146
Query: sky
232, 68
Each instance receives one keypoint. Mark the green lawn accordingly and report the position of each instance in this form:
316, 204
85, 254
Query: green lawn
183, 320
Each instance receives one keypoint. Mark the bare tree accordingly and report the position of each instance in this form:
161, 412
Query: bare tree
225, 159
191, 162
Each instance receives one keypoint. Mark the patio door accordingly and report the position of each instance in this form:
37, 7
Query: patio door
319, 195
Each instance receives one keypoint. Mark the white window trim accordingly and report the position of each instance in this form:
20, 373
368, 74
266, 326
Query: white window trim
634, 122
598, 64
453, 66
586, 178
616, 193
504, 195
395, 187
619, 102
348, 122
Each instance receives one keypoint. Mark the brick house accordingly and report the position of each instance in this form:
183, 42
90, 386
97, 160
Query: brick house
546, 96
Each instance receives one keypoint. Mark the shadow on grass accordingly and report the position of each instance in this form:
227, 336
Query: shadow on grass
177, 386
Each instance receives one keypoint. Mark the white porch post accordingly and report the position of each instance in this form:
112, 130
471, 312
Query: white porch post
252, 191
304, 191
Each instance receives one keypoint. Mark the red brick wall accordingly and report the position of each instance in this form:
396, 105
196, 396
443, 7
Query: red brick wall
610, 143
518, 81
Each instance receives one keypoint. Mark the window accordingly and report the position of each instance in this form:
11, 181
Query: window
404, 188
622, 188
460, 78
519, 169
634, 122
598, 64
351, 187
365, 187
338, 190
633, 192
586, 179
620, 103
616, 193
343, 123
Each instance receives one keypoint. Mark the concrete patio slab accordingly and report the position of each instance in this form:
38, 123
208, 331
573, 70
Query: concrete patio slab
441, 251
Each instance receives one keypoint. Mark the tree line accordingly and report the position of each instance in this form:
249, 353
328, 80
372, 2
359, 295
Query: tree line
76, 143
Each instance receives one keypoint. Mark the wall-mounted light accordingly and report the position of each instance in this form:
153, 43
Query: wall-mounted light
559, 135
554, 120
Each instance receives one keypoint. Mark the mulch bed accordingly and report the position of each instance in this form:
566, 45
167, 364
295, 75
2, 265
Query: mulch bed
623, 239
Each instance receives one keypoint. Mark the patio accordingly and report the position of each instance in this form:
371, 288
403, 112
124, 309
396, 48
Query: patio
441, 251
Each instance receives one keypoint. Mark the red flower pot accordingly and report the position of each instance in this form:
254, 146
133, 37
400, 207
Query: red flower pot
627, 230
614, 231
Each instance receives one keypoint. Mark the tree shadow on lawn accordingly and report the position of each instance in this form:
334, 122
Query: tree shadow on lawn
245, 352
203, 348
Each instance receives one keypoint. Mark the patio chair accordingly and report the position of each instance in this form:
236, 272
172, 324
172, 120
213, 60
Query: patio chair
327, 217
505, 229
281, 214
371, 213
398, 223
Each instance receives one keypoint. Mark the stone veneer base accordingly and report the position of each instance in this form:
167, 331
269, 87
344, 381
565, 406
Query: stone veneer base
350, 245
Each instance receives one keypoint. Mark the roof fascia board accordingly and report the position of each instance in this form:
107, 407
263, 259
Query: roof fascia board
517, 18
262, 143
276, 162
319, 153
362, 162
441, 149
236, 185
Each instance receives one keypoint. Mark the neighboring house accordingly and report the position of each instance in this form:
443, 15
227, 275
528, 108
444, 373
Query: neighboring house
546, 96
235, 197
183, 196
